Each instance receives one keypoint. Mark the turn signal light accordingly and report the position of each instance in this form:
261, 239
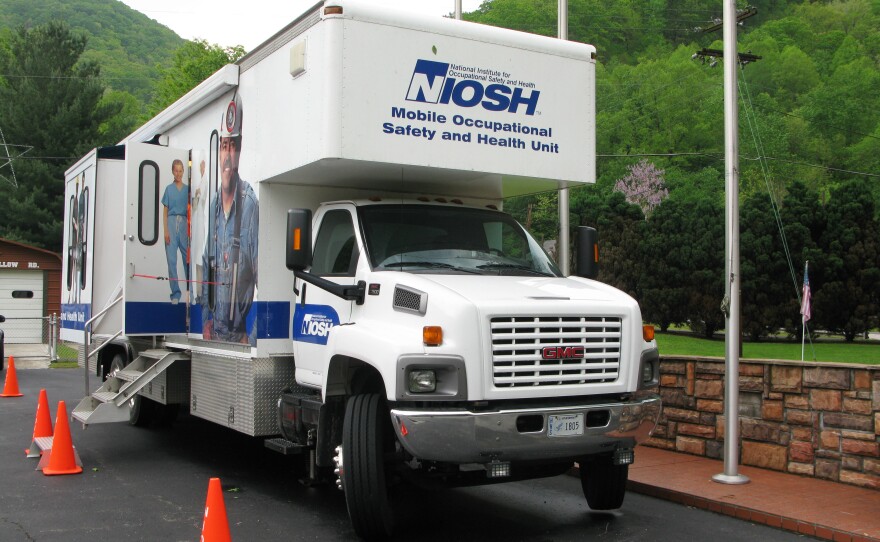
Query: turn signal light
432, 335
648, 333
297, 239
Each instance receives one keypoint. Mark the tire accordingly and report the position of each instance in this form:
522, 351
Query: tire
604, 484
142, 411
366, 434
117, 363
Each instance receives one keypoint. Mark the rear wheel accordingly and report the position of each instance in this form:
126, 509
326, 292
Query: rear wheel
117, 363
366, 436
142, 411
604, 483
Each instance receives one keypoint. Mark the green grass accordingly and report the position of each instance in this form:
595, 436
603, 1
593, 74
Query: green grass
67, 356
832, 351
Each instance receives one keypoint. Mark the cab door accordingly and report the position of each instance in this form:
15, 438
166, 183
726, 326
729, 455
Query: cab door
318, 312
149, 306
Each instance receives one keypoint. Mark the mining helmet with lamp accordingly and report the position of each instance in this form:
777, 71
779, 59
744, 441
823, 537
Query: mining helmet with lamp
230, 124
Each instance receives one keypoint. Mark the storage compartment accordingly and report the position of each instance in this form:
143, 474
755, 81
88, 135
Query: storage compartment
240, 393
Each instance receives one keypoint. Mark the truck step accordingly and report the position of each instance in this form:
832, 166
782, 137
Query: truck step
110, 402
40, 445
284, 446
91, 410
129, 375
154, 353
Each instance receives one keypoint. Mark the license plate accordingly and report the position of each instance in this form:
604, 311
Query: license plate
565, 425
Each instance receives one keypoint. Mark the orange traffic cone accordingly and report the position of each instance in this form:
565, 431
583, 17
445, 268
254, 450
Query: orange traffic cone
215, 527
42, 425
62, 458
11, 388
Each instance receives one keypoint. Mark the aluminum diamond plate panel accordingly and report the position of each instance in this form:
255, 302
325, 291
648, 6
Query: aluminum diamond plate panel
240, 393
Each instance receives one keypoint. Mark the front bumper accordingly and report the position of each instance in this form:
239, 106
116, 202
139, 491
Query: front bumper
479, 437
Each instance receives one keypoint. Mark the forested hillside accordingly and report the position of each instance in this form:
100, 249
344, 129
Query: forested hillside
76, 74
125, 43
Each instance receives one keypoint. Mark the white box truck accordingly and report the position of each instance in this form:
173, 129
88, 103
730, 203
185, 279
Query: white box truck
308, 247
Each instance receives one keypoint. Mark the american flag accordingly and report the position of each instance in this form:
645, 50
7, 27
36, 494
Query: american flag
805, 298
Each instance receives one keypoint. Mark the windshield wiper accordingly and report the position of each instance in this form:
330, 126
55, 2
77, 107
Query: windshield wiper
497, 265
430, 265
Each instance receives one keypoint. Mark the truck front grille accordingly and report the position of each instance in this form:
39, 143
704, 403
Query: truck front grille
555, 350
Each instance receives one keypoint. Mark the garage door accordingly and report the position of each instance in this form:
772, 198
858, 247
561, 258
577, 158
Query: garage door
21, 302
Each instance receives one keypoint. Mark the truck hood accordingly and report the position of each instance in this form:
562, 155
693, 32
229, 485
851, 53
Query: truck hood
511, 289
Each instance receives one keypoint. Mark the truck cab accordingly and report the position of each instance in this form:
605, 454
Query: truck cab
461, 351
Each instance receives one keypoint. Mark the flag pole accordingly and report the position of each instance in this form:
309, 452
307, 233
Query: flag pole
805, 307
803, 336
732, 336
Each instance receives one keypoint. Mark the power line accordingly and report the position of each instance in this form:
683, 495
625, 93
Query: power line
836, 127
11, 76
818, 166
657, 154
718, 155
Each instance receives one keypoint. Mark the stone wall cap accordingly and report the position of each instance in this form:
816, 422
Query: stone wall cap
827, 364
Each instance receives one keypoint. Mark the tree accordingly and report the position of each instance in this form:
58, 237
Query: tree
620, 226
643, 186
846, 105
663, 287
51, 101
847, 297
770, 280
194, 61
804, 221
683, 253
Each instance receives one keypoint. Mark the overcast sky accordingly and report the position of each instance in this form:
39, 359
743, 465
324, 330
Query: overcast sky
251, 22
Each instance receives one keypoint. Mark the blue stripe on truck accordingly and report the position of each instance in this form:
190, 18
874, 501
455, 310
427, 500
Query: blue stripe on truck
147, 317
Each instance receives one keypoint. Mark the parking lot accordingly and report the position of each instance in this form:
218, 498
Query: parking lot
151, 484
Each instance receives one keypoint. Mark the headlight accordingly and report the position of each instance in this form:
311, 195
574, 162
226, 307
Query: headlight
647, 373
436, 377
422, 381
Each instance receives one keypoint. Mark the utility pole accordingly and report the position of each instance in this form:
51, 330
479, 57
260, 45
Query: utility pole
562, 247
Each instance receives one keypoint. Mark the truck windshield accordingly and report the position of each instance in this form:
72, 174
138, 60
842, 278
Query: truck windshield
434, 239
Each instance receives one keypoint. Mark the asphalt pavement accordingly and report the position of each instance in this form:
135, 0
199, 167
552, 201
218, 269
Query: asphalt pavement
151, 485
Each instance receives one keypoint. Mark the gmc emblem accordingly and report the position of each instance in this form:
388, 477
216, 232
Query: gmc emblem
562, 352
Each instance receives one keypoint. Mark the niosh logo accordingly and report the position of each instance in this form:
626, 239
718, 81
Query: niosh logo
316, 325
432, 83
312, 323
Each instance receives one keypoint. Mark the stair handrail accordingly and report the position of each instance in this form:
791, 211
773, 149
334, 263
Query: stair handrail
87, 339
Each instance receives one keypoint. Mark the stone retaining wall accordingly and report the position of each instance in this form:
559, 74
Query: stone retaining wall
813, 419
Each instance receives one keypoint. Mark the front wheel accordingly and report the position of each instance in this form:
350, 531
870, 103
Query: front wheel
603, 482
366, 435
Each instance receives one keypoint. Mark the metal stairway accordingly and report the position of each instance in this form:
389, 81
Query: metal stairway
111, 402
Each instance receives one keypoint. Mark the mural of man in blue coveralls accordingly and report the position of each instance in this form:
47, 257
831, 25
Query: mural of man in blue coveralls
175, 200
231, 256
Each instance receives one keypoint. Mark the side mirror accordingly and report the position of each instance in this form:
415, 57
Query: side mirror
588, 252
299, 239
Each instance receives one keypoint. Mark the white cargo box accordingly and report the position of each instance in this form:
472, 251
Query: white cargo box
373, 98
